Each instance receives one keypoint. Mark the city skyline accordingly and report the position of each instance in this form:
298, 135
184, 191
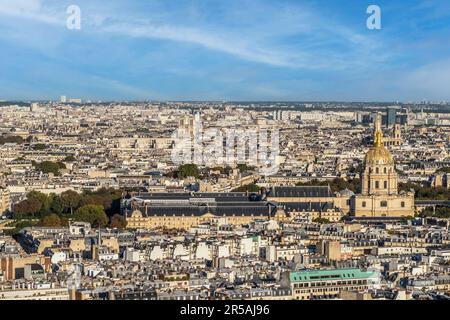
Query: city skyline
233, 51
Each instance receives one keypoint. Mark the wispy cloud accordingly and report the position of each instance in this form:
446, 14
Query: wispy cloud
30, 9
257, 42
220, 43
220, 49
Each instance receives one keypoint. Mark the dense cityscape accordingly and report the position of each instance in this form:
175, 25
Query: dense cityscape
95, 204
221, 159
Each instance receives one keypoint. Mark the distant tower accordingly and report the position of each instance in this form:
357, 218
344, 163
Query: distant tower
397, 131
391, 116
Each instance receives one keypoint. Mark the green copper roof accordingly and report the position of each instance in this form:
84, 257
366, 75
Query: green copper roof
323, 275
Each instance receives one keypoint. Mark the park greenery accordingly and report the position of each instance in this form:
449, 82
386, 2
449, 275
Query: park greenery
94, 214
438, 212
336, 185
192, 170
248, 188
187, 170
444, 170
56, 210
425, 192
11, 139
321, 220
39, 147
49, 167
70, 159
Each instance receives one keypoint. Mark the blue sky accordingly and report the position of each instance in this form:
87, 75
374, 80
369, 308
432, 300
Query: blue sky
225, 50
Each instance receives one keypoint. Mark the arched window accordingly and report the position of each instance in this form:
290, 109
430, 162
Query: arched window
385, 170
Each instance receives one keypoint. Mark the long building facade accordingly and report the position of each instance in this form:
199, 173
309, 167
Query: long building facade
185, 210
328, 284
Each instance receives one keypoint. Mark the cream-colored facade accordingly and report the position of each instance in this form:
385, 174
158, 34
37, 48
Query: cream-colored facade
5, 201
138, 221
396, 139
380, 196
10, 263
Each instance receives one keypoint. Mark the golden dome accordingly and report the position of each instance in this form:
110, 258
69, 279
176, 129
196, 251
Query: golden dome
378, 155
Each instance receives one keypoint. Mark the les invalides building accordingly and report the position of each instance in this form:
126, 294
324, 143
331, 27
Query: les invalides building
380, 196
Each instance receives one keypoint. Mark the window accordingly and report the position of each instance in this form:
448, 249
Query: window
383, 204
403, 204
377, 170
377, 184
385, 170
385, 184
364, 204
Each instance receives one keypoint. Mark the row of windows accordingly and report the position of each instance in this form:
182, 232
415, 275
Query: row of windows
329, 289
385, 171
322, 284
383, 204
377, 184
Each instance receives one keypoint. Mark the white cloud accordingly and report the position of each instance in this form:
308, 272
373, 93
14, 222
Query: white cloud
30, 9
225, 44
261, 40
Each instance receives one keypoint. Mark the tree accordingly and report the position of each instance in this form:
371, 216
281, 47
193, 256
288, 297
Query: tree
438, 212
95, 199
11, 139
118, 221
188, 170
244, 167
28, 207
70, 159
247, 188
426, 193
52, 220
70, 200
336, 185
93, 214
444, 170
321, 220
39, 146
56, 205
49, 167
43, 199
108, 198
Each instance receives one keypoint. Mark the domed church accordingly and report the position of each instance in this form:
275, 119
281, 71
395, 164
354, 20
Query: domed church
380, 197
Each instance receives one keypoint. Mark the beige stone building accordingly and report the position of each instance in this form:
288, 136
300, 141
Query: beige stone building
5, 201
396, 139
184, 210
